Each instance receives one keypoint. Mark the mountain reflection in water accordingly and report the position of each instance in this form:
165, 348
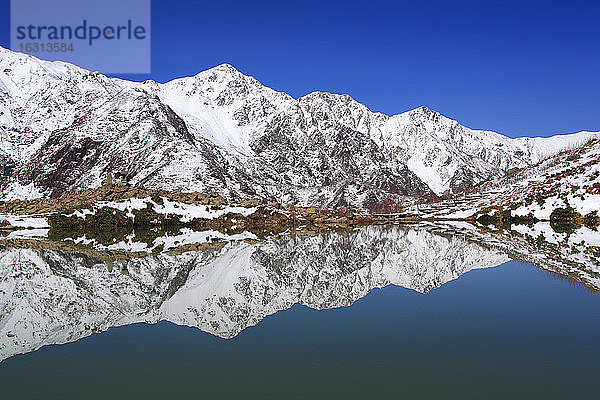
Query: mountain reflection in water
50, 297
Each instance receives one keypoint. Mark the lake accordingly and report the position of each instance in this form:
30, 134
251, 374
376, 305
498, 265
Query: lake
377, 313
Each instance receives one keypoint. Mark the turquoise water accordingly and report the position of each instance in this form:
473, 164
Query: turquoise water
512, 331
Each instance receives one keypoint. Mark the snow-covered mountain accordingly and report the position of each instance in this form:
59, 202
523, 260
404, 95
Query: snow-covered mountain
49, 297
549, 213
63, 128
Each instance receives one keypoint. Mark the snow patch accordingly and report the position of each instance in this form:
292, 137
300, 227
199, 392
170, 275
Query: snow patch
25, 221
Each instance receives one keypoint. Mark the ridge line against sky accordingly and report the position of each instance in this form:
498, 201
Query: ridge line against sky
318, 92
517, 68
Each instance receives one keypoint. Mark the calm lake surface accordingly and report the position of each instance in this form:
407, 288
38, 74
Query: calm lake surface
386, 312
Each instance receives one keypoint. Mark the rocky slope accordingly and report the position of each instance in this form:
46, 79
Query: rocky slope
569, 179
48, 296
548, 213
63, 128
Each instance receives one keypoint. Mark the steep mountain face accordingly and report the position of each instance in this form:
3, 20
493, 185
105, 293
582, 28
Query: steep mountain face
63, 128
51, 297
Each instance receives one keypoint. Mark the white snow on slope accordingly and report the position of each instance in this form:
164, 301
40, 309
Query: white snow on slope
188, 212
542, 147
234, 113
25, 221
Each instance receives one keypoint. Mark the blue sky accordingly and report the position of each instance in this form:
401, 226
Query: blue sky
520, 68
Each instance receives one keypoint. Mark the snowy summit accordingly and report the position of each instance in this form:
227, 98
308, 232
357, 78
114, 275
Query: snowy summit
63, 128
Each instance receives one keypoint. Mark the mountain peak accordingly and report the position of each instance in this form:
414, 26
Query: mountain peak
223, 131
225, 68
424, 110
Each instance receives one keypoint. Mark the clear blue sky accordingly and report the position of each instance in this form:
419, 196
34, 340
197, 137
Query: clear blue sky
517, 67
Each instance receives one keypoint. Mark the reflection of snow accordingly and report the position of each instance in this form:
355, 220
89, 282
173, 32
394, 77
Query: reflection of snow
186, 236
585, 235
222, 291
551, 236
27, 234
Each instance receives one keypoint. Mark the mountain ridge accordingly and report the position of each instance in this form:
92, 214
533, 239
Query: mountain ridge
63, 128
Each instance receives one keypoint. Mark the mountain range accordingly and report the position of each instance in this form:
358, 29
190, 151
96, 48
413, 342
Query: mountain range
49, 296
63, 128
